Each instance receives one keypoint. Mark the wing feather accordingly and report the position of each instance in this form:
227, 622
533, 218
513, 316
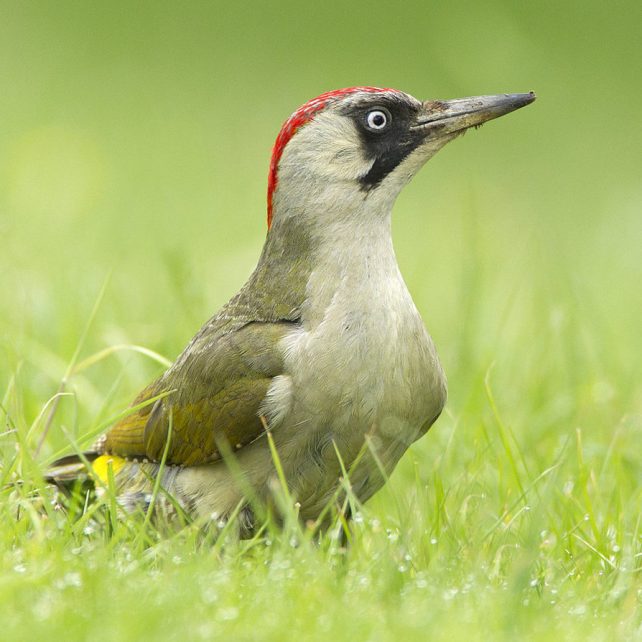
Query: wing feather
219, 385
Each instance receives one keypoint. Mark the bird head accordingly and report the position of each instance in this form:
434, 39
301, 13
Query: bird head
352, 150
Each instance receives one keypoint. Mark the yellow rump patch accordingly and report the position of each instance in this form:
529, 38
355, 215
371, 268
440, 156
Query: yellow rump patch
102, 464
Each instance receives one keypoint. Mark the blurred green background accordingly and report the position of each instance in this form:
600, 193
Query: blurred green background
135, 139
134, 145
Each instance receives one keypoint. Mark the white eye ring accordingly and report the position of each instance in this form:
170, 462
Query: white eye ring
377, 119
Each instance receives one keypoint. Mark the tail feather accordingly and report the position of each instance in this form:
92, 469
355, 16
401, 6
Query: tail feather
68, 470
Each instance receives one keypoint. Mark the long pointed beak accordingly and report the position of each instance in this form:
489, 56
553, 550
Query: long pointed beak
441, 117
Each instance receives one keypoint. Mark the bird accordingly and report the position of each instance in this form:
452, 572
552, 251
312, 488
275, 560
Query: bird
320, 367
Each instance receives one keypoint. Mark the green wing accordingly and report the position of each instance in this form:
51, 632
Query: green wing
218, 385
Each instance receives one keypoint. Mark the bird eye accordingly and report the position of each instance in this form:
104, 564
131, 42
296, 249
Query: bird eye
377, 119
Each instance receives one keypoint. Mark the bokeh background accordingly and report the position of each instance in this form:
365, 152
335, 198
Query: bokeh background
134, 144
135, 139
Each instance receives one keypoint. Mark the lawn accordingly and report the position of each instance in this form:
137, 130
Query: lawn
134, 147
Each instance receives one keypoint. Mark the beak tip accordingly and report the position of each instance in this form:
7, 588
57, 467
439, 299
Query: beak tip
515, 101
521, 100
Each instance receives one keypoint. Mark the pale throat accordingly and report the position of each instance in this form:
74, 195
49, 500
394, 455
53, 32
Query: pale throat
356, 270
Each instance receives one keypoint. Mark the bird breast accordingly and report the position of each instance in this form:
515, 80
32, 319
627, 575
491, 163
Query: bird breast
362, 360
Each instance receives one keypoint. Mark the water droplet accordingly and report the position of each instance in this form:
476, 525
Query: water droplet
229, 613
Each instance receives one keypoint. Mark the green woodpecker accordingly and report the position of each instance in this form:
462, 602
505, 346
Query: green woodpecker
323, 346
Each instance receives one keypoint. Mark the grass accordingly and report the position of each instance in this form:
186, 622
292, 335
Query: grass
132, 182
517, 516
